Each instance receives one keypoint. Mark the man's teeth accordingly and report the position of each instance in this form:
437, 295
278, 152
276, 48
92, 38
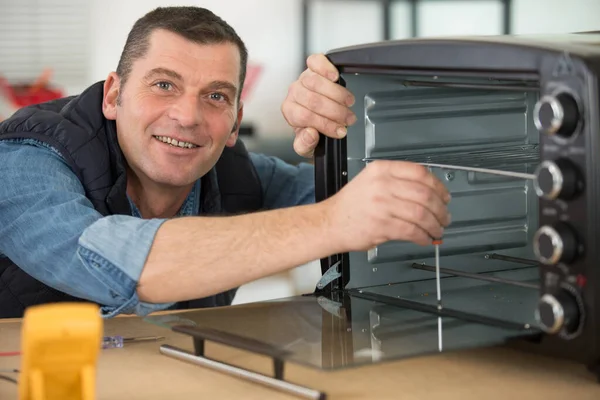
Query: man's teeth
174, 142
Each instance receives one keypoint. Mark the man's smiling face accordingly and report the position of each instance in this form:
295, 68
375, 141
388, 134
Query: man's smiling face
178, 109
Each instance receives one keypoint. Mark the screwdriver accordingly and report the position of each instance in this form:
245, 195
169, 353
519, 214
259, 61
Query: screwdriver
436, 243
116, 342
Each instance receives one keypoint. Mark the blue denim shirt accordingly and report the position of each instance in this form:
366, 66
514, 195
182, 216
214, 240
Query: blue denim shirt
51, 230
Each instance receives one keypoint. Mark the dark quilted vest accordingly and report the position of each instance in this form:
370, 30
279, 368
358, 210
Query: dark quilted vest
76, 127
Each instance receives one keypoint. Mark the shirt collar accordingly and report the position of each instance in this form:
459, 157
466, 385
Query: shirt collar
189, 207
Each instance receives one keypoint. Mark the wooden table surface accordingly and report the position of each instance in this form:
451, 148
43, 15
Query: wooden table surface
139, 371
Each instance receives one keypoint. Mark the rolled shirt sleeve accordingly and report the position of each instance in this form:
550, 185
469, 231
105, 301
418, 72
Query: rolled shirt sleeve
51, 230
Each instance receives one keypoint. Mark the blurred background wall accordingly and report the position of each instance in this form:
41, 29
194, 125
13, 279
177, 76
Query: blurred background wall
78, 42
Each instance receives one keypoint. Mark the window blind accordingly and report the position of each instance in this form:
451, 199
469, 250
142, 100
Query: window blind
40, 34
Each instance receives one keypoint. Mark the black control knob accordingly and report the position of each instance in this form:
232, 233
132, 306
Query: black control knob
555, 243
557, 179
556, 312
556, 115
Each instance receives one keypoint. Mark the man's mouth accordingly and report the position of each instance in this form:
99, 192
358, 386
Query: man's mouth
175, 142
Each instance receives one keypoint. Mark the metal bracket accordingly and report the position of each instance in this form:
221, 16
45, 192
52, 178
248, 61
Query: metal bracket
331, 274
332, 307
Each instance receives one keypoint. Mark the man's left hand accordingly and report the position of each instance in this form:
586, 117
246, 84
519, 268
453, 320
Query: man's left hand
316, 103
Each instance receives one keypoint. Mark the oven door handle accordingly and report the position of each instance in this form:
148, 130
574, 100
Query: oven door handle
200, 335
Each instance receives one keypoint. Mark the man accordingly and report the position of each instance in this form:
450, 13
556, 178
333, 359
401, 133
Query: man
137, 195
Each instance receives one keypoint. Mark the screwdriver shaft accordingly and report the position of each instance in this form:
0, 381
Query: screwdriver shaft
437, 276
439, 291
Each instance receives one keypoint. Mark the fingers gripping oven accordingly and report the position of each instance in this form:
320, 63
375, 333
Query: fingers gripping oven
511, 126
524, 105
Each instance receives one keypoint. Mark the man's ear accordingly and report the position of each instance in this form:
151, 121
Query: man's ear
112, 87
236, 127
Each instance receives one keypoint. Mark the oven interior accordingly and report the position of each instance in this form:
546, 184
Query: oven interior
488, 267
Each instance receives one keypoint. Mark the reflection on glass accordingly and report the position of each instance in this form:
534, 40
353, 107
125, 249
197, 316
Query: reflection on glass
440, 334
502, 299
336, 333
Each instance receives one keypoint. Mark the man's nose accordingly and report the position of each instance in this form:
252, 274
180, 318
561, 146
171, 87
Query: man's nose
186, 111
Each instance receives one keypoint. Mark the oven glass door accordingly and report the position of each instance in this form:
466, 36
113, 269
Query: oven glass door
353, 330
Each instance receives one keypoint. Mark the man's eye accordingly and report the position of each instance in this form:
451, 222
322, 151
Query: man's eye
218, 96
164, 85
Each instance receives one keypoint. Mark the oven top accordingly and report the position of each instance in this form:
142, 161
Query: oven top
502, 52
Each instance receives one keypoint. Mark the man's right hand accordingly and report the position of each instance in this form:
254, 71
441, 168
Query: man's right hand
315, 103
389, 200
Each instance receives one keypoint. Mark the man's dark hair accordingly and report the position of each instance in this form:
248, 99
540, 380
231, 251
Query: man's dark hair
193, 23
